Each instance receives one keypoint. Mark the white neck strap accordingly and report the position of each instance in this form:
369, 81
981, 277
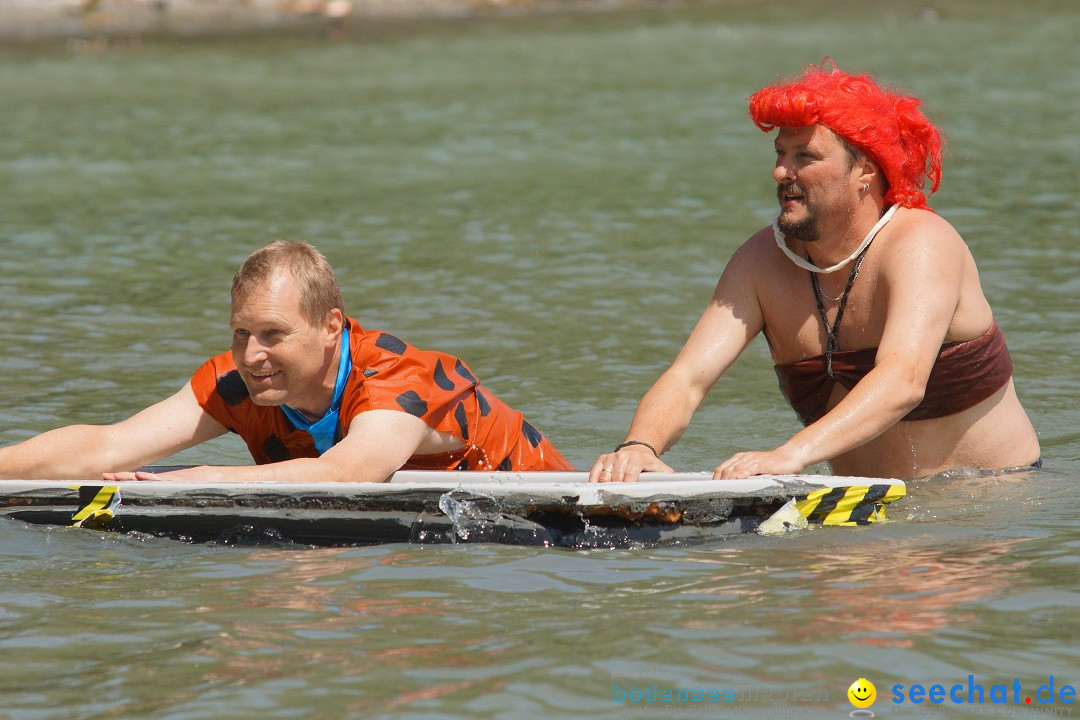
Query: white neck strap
806, 265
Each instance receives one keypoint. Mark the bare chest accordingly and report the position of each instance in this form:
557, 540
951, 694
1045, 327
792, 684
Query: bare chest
798, 320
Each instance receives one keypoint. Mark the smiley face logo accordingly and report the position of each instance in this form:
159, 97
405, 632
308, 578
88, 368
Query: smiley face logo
862, 693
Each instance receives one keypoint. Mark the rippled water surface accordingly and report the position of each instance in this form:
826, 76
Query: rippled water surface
552, 198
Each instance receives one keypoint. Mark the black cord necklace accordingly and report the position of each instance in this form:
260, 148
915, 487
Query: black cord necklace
831, 343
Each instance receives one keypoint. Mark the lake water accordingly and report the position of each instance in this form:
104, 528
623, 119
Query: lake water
551, 198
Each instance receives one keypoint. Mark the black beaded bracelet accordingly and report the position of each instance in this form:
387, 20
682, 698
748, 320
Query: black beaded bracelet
636, 442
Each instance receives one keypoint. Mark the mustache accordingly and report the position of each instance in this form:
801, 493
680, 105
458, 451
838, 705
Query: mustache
783, 188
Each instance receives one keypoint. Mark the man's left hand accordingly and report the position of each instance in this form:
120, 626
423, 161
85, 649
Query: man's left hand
746, 464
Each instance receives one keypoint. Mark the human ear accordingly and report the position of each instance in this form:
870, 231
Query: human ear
334, 323
870, 173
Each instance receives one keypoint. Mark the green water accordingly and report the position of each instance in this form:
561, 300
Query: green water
551, 198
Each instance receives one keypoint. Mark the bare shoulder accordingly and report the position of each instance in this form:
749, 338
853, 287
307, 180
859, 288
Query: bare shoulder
760, 243
751, 262
913, 226
757, 252
917, 238
930, 277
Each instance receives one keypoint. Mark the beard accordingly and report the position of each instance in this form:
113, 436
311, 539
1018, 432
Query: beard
806, 229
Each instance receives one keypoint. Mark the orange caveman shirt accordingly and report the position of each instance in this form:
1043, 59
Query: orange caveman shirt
388, 374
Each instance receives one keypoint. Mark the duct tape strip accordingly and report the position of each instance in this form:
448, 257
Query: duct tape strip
853, 505
97, 504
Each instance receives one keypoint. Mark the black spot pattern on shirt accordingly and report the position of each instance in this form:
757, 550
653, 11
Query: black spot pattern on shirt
440, 377
531, 434
231, 388
462, 420
388, 342
483, 403
505, 465
464, 372
275, 449
412, 403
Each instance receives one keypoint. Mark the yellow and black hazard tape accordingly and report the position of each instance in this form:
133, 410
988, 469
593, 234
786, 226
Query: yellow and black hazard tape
97, 504
852, 505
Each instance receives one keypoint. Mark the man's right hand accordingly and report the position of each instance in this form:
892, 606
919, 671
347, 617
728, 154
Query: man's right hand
626, 465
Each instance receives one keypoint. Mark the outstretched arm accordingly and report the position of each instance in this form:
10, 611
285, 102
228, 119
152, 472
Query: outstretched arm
378, 443
79, 452
731, 320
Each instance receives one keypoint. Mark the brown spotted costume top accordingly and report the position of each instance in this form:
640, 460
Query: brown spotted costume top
965, 373
388, 374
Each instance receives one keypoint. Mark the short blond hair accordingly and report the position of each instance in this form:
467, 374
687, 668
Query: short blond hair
318, 287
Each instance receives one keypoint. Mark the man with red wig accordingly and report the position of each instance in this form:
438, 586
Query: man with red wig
884, 343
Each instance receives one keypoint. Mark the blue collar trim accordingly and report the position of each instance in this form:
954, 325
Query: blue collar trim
324, 429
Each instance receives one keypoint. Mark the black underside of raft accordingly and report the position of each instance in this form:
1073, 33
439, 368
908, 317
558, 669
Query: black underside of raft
411, 516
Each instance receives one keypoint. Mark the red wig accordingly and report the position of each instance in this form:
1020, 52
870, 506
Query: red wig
887, 126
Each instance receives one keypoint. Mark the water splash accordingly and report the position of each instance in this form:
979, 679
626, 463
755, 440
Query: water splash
461, 513
479, 518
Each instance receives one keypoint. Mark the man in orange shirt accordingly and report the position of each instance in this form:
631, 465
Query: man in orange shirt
314, 396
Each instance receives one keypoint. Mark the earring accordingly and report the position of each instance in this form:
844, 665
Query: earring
866, 187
